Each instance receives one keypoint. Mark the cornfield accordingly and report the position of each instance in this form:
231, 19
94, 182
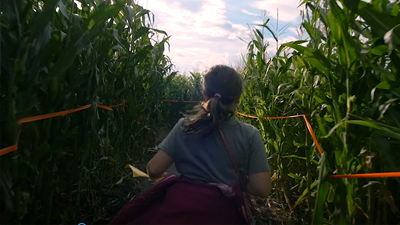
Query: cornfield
58, 55
345, 77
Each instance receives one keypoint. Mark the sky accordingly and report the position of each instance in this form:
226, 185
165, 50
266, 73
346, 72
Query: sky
204, 33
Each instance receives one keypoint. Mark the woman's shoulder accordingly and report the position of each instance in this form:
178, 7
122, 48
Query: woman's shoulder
178, 126
248, 128
181, 120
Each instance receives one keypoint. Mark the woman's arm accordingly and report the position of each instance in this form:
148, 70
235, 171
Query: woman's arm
259, 184
158, 164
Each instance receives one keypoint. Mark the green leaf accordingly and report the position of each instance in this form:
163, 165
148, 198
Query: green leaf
101, 15
63, 10
314, 33
270, 30
298, 47
321, 125
379, 50
392, 37
328, 119
315, 62
383, 85
379, 21
339, 29
45, 17
283, 69
305, 192
314, 57
140, 32
160, 31
352, 4
395, 10
322, 193
295, 176
386, 129
95, 20
299, 157
259, 33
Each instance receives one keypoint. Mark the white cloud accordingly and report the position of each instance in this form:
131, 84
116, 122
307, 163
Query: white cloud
240, 31
197, 37
172, 17
258, 22
249, 13
287, 9
202, 52
202, 34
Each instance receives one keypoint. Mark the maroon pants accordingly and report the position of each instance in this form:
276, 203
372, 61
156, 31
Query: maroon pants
175, 201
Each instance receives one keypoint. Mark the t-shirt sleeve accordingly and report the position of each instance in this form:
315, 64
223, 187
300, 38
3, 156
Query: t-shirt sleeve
168, 145
258, 157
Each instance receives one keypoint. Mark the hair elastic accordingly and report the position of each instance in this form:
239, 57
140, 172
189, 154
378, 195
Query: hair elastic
217, 95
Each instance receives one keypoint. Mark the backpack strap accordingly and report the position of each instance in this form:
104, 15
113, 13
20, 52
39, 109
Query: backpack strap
242, 184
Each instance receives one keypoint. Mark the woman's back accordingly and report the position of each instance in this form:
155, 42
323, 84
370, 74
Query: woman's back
205, 159
209, 180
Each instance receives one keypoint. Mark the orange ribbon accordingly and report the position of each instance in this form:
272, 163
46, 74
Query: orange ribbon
51, 115
47, 116
242, 114
271, 117
123, 102
104, 107
366, 175
10, 148
309, 127
181, 101
313, 135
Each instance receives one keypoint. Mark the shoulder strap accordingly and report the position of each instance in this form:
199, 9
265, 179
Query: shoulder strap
242, 184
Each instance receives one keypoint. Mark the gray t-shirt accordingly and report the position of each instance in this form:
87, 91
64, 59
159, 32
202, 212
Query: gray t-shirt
205, 159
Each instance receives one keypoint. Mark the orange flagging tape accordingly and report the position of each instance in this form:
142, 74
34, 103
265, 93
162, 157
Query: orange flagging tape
269, 117
294, 116
104, 107
109, 108
282, 117
242, 114
123, 102
181, 101
47, 116
8, 149
313, 135
11, 148
62, 113
50, 115
366, 175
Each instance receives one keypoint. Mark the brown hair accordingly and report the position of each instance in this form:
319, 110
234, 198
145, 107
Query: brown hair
222, 86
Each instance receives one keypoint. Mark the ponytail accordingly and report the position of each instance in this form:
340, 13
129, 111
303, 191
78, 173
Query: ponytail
223, 86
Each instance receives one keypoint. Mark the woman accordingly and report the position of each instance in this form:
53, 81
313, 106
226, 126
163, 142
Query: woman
202, 195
